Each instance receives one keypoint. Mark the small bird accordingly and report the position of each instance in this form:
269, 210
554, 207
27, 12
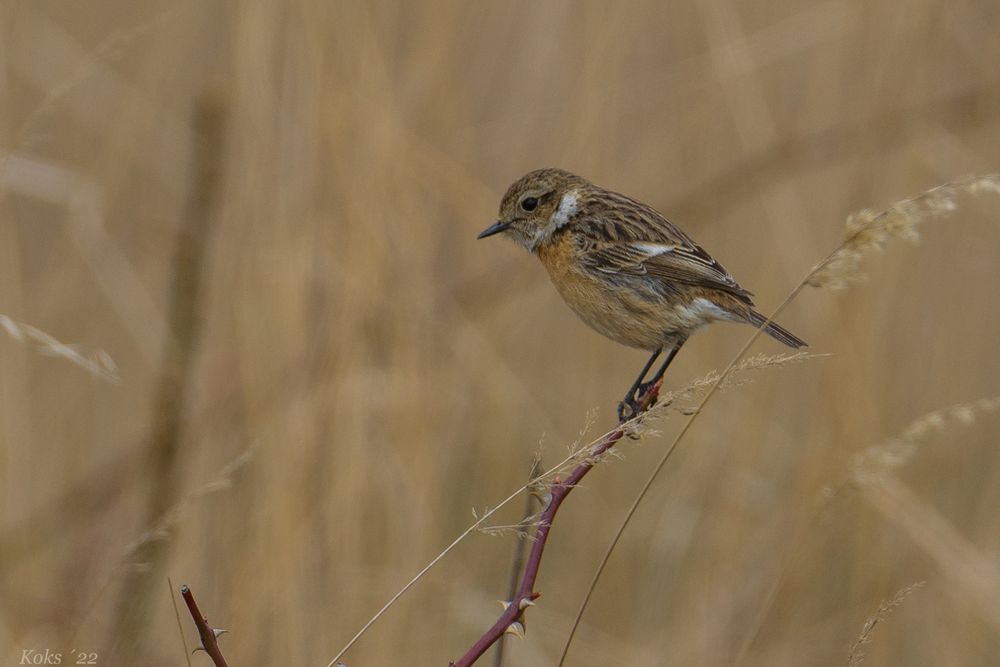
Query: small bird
623, 268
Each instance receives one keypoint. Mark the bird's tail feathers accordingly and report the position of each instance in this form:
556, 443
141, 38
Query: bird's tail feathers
775, 330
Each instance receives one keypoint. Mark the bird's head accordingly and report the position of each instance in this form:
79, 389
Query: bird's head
537, 205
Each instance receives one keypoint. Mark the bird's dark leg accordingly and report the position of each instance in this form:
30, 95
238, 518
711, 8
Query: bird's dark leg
629, 407
663, 369
629, 399
642, 373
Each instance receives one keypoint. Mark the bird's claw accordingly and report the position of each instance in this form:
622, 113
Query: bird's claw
636, 402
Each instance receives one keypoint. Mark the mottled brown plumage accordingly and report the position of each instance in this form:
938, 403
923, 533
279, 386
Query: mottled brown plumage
621, 266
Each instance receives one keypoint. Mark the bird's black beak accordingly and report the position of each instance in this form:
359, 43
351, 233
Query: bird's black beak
495, 228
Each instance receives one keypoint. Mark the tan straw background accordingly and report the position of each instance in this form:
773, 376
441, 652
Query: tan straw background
265, 215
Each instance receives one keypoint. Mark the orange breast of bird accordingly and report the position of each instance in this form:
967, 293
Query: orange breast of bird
624, 315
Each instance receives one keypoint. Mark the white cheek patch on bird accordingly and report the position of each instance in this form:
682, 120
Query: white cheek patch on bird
569, 205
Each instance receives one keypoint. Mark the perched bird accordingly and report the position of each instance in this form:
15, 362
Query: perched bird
623, 268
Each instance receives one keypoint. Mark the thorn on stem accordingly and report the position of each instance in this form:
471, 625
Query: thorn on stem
516, 628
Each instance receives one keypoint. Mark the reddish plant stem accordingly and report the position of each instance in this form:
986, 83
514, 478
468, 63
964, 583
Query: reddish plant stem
520, 551
209, 640
558, 491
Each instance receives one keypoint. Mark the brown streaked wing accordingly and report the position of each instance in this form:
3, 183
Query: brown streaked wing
675, 264
635, 221
626, 237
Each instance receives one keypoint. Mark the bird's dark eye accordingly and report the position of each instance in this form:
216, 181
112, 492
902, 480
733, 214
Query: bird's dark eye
529, 203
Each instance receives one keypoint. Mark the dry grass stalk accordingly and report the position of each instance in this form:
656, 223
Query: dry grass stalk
897, 451
971, 574
162, 528
678, 400
99, 363
855, 656
869, 231
874, 465
180, 626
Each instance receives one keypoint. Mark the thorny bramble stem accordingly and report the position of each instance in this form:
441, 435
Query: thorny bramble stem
209, 635
558, 490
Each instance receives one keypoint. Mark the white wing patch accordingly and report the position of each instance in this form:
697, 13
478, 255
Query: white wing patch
653, 249
699, 312
709, 309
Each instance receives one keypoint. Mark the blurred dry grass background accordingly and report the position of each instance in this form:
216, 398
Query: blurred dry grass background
388, 373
